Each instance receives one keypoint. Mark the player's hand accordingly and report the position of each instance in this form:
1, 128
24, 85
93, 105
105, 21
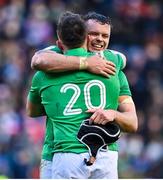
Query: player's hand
98, 65
101, 116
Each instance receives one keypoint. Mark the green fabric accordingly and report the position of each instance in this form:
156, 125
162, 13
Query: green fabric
115, 58
57, 91
48, 141
124, 86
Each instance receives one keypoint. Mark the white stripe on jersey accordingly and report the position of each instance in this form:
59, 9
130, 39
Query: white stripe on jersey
49, 48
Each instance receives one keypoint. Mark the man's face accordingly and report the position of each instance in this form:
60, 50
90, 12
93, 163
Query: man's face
98, 35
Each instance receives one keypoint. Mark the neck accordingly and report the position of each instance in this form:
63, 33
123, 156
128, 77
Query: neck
65, 48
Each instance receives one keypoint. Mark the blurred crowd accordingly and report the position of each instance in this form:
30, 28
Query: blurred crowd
29, 25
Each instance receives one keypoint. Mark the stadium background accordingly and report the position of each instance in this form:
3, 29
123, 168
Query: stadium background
26, 26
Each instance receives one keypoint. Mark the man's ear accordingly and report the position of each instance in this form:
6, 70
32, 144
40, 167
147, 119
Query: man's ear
60, 44
88, 38
58, 35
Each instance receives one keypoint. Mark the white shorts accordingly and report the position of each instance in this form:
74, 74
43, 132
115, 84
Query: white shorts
45, 169
72, 166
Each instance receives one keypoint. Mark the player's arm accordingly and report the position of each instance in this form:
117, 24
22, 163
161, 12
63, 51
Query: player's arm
126, 115
50, 61
34, 110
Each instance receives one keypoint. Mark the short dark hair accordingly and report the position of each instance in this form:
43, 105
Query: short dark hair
97, 17
72, 30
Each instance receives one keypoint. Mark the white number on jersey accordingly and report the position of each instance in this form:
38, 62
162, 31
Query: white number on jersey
69, 110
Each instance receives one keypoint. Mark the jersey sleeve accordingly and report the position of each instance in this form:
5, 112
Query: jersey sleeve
33, 94
54, 48
121, 57
124, 86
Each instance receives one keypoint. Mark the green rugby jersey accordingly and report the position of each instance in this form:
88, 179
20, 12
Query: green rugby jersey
66, 97
49, 137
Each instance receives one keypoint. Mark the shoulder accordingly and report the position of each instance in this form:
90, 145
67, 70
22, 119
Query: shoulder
51, 48
37, 77
122, 56
117, 56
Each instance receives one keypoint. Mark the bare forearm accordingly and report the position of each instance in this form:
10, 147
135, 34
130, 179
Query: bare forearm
126, 117
53, 62
127, 121
50, 61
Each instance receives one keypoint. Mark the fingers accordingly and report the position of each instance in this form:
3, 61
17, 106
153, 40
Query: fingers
91, 110
101, 66
103, 122
97, 116
94, 116
104, 74
110, 63
110, 66
101, 116
109, 69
